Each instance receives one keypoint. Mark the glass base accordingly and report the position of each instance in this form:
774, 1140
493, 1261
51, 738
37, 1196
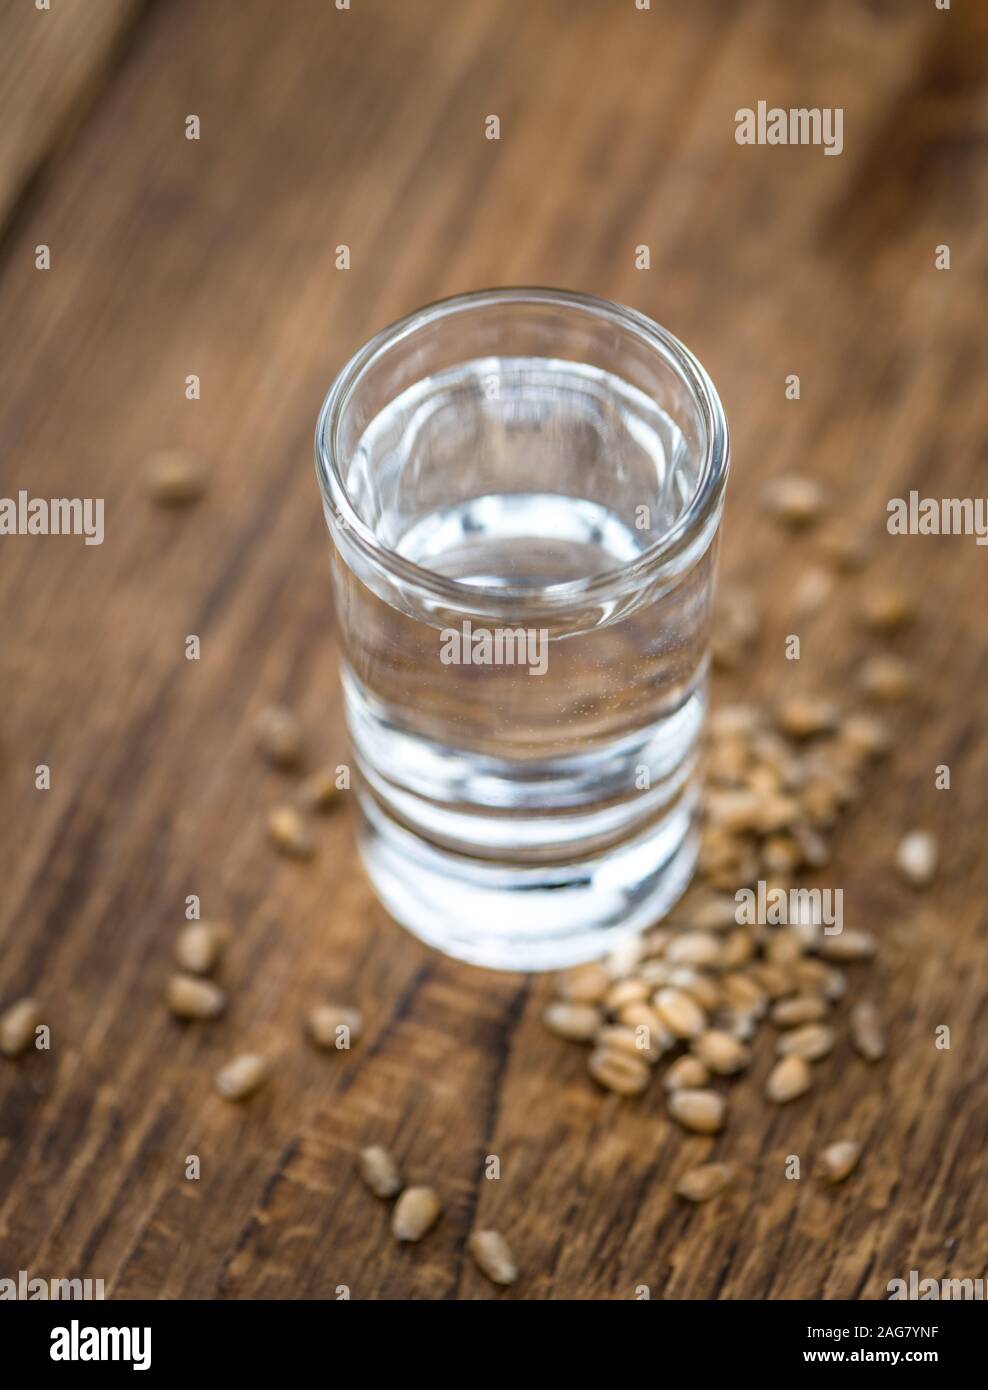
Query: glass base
528, 918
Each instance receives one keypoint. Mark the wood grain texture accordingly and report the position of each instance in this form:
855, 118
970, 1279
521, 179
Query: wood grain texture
54, 62
216, 257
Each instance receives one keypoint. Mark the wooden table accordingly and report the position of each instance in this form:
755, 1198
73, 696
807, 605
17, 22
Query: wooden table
216, 257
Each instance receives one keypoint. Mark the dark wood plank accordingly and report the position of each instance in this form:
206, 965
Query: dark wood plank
55, 62
216, 257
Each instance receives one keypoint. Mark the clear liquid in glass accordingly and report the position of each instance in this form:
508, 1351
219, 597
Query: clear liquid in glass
502, 795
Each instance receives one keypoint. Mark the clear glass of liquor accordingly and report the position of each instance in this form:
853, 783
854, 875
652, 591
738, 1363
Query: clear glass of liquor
524, 489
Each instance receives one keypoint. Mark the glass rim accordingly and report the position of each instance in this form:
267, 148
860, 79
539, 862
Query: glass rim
605, 585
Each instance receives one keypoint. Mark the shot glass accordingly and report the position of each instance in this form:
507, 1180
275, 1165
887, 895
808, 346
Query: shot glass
524, 489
